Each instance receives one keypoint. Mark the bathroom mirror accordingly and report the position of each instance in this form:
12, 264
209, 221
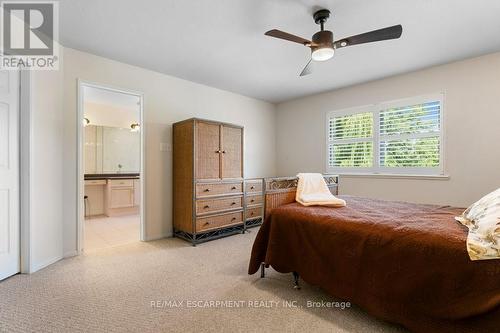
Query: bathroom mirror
111, 150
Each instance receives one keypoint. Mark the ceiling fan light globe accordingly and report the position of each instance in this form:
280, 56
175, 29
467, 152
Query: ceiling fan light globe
322, 54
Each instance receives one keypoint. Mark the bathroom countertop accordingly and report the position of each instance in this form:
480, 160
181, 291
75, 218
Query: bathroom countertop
112, 176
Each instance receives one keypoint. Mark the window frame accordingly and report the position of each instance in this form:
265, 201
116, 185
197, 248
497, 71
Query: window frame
375, 109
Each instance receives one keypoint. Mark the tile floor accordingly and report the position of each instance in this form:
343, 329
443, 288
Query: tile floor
103, 232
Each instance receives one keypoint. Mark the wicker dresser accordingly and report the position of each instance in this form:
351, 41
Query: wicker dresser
208, 187
254, 202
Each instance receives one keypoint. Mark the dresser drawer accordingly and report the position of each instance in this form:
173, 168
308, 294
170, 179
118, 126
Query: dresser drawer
209, 189
253, 200
252, 213
253, 187
214, 205
218, 221
95, 182
121, 182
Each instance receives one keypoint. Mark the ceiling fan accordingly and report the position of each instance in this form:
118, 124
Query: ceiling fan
323, 46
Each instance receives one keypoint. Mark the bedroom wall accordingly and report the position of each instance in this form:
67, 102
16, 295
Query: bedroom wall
166, 100
471, 122
46, 167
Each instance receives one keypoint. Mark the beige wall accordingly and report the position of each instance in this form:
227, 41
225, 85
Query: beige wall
166, 100
471, 122
107, 115
46, 167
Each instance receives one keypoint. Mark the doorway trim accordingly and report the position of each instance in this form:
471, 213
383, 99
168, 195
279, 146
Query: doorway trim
25, 132
80, 186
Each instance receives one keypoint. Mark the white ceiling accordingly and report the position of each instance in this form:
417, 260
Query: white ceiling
221, 43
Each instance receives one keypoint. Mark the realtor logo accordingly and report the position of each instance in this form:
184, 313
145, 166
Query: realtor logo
29, 35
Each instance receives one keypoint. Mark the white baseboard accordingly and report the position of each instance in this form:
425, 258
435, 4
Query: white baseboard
157, 237
70, 254
44, 264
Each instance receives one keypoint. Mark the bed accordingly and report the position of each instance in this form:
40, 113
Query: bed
401, 262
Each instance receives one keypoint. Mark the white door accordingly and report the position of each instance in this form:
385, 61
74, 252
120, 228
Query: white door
9, 174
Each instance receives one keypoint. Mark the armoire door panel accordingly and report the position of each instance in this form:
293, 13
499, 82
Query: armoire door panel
232, 150
207, 151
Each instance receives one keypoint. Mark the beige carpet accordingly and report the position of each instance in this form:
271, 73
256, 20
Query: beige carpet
112, 290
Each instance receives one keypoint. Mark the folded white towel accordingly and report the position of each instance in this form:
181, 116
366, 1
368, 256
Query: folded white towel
313, 191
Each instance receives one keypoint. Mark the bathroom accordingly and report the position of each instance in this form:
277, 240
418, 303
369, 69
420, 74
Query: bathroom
112, 167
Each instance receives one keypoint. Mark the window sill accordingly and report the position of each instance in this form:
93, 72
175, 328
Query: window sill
394, 176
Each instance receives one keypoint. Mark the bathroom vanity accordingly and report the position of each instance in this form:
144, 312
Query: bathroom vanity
112, 161
112, 194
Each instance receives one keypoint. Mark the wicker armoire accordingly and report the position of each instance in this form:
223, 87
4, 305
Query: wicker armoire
208, 185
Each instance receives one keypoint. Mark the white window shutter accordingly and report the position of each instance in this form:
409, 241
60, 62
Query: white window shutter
402, 137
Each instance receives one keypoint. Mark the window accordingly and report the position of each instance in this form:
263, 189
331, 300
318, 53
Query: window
400, 137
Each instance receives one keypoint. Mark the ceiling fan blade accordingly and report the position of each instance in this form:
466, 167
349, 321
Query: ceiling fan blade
308, 69
393, 32
286, 36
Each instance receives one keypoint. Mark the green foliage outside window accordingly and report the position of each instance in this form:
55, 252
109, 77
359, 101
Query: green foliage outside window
403, 122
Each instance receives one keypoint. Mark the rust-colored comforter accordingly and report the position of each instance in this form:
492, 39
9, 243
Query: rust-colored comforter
402, 262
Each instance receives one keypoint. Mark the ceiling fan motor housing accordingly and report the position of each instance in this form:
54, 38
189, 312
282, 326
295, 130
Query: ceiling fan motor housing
322, 39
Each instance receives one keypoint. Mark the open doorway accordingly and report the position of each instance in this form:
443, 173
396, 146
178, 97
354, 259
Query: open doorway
111, 167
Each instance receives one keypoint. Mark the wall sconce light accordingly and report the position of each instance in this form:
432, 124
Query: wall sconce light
86, 122
135, 127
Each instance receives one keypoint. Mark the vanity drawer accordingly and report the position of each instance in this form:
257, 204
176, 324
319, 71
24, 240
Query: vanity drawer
253, 187
95, 182
218, 221
209, 189
214, 205
252, 213
121, 182
253, 200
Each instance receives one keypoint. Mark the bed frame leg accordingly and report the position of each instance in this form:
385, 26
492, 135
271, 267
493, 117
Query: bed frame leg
296, 280
262, 270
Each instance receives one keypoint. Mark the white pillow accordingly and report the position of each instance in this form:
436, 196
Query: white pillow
483, 220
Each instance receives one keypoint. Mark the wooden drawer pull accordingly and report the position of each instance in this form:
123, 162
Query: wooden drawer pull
252, 187
206, 207
233, 203
233, 219
253, 200
207, 223
223, 151
251, 213
206, 190
233, 188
